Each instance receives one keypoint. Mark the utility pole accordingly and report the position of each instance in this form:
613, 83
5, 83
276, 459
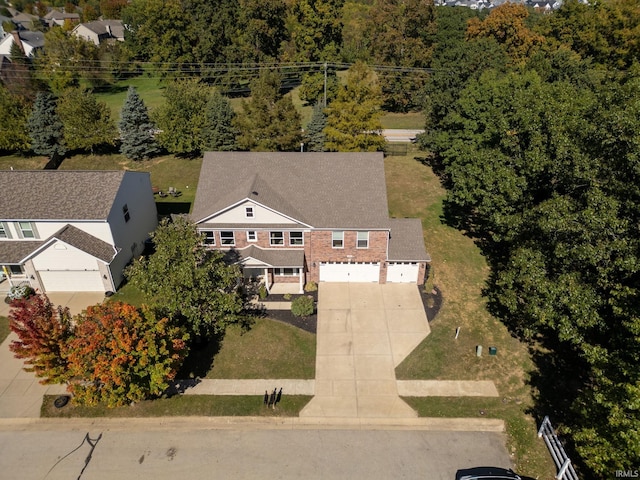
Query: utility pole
325, 84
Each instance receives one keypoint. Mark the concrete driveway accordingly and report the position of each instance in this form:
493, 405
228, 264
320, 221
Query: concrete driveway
364, 331
20, 391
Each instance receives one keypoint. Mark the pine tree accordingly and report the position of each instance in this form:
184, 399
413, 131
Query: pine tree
136, 129
315, 134
45, 127
219, 132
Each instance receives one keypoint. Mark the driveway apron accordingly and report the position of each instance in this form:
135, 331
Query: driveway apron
364, 331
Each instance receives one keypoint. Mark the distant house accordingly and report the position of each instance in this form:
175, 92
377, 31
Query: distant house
24, 21
73, 230
28, 41
306, 217
57, 18
100, 31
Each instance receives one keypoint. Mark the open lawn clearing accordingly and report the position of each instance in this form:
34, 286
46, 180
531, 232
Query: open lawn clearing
459, 270
150, 90
184, 406
270, 349
20, 162
404, 121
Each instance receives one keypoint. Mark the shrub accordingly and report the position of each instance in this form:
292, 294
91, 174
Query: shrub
262, 292
302, 306
287, 296
18, 292
311, 287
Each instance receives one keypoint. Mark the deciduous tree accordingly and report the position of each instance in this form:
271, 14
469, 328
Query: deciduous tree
120, 355
353, 119
43, 332
14, 114
190, 283
87, 121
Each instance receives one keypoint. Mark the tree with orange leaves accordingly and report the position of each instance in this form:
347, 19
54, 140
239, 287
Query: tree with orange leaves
506, 24
120, 354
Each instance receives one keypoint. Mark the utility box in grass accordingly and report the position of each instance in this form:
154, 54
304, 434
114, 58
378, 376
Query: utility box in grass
493, 351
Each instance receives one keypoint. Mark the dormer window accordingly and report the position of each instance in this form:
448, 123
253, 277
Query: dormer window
125, 212
248, 212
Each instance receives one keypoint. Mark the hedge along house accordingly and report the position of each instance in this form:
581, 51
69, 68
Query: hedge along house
306, 217
73, 230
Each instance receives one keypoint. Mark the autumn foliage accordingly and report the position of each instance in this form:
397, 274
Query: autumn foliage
120, 355
43, 332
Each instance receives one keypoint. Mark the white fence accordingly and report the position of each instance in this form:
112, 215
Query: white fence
563, 463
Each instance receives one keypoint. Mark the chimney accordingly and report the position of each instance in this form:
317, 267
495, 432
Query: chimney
17, 41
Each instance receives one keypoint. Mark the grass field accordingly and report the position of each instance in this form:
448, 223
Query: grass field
4, 328
185, 406
408, 121
460, 271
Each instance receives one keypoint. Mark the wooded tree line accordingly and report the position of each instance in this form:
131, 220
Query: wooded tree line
532, 122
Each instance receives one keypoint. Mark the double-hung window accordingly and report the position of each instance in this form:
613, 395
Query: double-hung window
286, 272
337, 239
27, 230
209, 237
252, 236
227, 238
276, 238
248, 212
4, 231
363, 240
296, 239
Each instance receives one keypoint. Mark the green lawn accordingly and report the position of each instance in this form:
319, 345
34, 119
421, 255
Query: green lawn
149, 89
409, 121
460, 272
185, 406
4, 328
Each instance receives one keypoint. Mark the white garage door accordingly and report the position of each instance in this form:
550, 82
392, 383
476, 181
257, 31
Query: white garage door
402, 272
72, 281
349, 272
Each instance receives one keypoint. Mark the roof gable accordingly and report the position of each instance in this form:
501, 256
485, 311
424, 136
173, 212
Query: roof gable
325, 190
58, 194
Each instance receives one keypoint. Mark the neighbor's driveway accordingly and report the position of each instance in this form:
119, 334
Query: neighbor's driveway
20, 392
364, 331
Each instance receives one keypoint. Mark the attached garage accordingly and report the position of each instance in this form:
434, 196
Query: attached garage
72, 281
403, 272
349, 272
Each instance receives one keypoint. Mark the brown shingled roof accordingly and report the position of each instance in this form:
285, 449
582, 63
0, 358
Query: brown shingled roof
58, 194
14, 251
87, 243
406, 242
324, 190
272, 257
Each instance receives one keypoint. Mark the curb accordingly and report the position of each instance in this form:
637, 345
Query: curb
254, 423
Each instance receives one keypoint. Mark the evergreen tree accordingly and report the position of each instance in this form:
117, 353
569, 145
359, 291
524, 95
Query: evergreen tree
270, 121
315, 134
219, 132
136, 130
45, 127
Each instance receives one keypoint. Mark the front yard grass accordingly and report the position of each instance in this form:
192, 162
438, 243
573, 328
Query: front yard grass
4, 328
460, 271
184, 406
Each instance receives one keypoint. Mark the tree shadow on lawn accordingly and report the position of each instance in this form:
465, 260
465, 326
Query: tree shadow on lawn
200, 358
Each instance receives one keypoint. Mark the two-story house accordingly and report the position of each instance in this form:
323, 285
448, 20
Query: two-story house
73, 230
307, 217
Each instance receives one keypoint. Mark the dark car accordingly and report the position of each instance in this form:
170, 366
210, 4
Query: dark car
487, 473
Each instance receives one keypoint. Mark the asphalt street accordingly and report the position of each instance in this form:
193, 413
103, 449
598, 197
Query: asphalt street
239, 453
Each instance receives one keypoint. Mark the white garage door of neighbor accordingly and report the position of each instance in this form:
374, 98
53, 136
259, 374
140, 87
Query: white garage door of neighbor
72, 281
349, 272
402, 272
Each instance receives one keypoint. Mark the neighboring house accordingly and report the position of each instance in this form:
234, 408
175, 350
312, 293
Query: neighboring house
28, 41
24, 21
100, 31
302, 217
73, 230
57, 18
